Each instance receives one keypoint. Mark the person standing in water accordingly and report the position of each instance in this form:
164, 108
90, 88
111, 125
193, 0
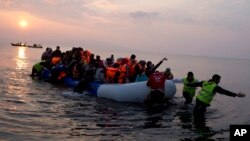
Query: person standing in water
188, 92
208, 90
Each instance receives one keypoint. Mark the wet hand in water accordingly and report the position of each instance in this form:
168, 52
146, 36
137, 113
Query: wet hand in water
241, 95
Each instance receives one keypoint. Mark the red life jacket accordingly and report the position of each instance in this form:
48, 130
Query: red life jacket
156, 81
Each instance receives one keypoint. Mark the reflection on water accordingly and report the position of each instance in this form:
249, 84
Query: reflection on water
21, 53
36, 110
20, 59
16, 82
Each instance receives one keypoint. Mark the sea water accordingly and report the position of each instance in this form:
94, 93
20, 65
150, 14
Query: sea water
32, 109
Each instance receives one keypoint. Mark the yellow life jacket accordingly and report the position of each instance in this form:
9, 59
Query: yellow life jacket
190, 90
206, 94
38, 67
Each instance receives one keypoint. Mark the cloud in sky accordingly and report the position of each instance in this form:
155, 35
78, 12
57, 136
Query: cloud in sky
177, 26
215, 12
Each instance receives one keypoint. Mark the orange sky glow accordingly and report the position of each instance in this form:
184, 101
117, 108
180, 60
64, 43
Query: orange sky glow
209, 28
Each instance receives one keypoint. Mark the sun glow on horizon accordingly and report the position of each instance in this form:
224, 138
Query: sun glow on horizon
23, 23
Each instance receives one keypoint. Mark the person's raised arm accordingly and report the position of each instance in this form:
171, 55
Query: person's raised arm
156, 66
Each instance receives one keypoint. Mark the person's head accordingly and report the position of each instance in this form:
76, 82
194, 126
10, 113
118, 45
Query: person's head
190, 76
167, 71
124, 61
112, 56
98, 57
58, 48
150, 64
142, 63
132, 56
116, 65
92, 56
109, 61
48, 49
216, 78
142, 66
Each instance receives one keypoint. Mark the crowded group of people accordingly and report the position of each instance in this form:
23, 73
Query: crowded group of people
84, 67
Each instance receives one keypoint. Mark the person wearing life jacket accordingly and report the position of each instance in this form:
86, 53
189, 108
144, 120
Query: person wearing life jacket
168, 74
76, 68
157, 83
58, 72
86, 55
122, 75
83, 85
110, 74
37, 69
207, 93
131, 73
56, 56
119, 60
77, 71
188, 92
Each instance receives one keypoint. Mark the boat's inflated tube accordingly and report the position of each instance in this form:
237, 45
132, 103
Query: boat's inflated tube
132, 92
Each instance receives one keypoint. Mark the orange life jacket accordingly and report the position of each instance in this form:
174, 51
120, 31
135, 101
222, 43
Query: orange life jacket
86, 56
110, 74
62, 74
55, 60
123, 74
131, 70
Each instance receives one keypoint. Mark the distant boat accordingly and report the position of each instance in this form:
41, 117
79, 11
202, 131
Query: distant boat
19, 44
35, 46
25, 45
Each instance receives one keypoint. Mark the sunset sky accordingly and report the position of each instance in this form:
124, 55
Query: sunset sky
193, 27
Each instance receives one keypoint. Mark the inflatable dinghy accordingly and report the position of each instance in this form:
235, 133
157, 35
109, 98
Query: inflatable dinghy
130, 92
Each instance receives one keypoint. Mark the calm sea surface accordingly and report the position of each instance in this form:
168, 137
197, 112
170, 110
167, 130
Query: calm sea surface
37, 110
